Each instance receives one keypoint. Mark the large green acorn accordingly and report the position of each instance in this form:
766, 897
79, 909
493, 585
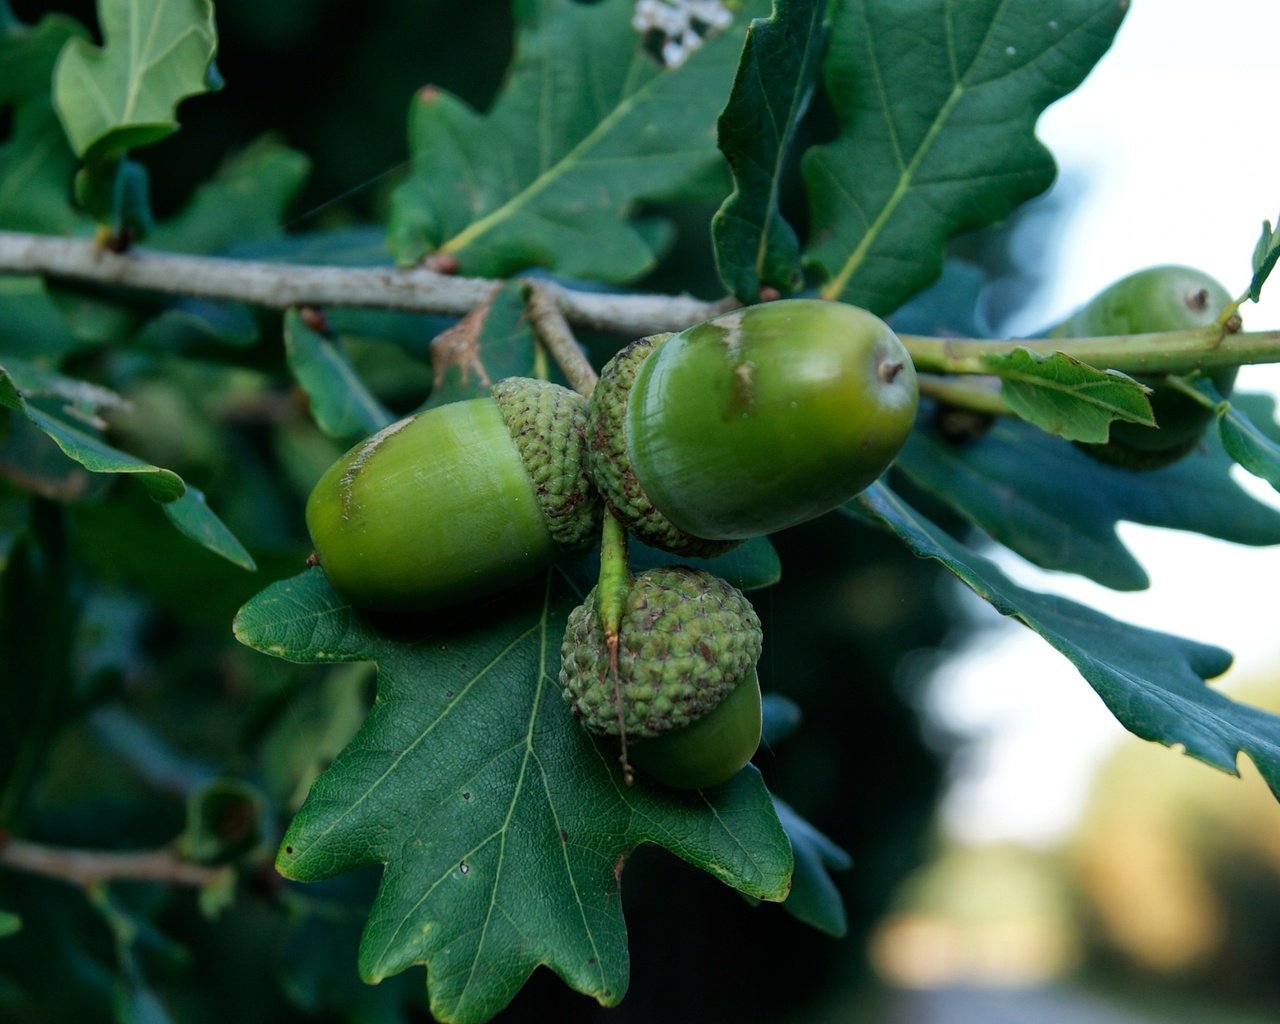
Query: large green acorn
1163, 298
750, 422
459, 501
684, 696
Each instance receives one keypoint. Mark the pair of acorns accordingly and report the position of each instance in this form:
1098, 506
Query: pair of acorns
753, 421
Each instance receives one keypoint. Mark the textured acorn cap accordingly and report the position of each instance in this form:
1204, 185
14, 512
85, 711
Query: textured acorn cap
686, 639
548, 424
610, 465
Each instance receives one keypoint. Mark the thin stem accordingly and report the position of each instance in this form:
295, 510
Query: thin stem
282, 285
612, 587
1167, 352
89, 867
556, 335
1187, 388
977, 395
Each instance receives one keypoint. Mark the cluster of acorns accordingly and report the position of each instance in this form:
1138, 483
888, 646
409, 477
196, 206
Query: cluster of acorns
748, 423
751, 422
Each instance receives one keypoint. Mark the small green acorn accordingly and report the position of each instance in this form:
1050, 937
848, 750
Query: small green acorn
750, 422
1162, 298
684, 697
459, 501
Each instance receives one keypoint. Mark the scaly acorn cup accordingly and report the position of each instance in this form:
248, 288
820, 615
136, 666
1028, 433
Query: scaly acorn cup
750, 422
1163, 298
685, 697
457, 502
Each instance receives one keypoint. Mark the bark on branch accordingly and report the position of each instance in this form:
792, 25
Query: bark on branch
284, 285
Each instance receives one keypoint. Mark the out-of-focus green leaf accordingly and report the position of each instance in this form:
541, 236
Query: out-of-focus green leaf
247, 198
318, 722
1265, 254
1246, 442
1059, 508
937, 105
29, 52
124, 94
776, 75
1064, 396
10, 924
501, 824
342, 406
36, 163
814, 898
36, 169
588, 125
135, 1001
116, 192
189, 322
30, 324
1154, 683
184, 505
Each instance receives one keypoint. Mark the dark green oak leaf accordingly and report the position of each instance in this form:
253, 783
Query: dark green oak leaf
1154, 683
776, 77
936, 104
1059, 508
502, 825
183, 504
814, 898
588, 126
124, 94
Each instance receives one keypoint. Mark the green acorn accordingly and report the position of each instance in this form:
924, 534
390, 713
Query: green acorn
1163, 298
458, 501
684, 697
750, 422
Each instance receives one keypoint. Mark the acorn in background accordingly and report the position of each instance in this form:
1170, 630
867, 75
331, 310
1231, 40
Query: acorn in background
1163, 298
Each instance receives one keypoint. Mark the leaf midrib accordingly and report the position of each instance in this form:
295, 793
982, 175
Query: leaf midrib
551, 175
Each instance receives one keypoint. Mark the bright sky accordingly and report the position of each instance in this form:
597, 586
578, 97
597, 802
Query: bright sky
1171, 150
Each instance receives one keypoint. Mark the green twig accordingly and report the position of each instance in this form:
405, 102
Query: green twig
556, 336
1203, 348
978, 395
